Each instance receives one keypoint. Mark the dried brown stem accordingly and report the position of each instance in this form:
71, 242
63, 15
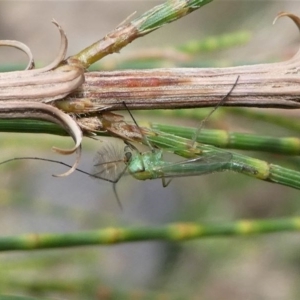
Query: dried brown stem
267, 85
264, 85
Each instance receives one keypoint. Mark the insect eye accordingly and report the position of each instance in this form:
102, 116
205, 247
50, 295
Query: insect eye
127, 153
128, 156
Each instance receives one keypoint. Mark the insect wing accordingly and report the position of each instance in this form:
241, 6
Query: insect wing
197, 166
108, 163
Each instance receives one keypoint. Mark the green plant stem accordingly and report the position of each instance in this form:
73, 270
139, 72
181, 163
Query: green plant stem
30, 126
234, 140
153, 19
172, 232
255, 168
218, 138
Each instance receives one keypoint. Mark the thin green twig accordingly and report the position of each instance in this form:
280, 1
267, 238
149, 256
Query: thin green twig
172, 232
235, 140
153, 19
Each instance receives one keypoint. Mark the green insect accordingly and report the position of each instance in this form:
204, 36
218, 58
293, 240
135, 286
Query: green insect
112, 161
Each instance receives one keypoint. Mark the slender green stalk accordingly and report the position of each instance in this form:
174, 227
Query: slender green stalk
239, 163
153, 19
167, 12
218, 138
172, 232
234, 140
30, 126
290, 123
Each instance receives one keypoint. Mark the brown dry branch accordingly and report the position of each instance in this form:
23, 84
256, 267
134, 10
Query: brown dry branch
262, 85
268, 85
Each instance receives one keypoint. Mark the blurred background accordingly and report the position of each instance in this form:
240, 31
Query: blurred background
32, 201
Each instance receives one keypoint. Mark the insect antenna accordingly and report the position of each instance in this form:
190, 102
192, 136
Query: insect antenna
43, 159
77, 169
139, 128
221, 102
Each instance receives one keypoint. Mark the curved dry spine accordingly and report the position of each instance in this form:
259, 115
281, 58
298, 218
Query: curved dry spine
42, 111
52, 82
21, 46
22, 93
